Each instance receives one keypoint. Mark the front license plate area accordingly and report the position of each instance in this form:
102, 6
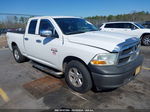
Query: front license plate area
138, 70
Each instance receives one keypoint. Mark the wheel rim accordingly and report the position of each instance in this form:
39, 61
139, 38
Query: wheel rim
16, 54
146, 40
75, 77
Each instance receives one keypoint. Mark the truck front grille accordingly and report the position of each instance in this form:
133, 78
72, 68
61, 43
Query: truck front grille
123, 60
128, 54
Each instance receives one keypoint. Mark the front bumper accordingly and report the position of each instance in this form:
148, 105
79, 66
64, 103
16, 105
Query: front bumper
114, 76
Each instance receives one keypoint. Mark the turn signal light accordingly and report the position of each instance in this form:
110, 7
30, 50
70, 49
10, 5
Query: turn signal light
96, 62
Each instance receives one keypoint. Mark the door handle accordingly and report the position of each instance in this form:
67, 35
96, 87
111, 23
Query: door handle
38, 41
26, 39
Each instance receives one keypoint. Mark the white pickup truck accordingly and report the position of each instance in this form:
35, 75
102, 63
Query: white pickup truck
75, 48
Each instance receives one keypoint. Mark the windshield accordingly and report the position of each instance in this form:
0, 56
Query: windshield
74, 25
140, 26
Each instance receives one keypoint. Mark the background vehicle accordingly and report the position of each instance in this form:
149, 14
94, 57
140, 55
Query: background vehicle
3, 31
74, 47
130, 28
146, 24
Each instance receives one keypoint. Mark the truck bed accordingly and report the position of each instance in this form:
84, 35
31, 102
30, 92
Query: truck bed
20, 32
18, 38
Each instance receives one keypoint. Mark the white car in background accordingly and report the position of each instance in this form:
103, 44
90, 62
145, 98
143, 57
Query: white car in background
130, 28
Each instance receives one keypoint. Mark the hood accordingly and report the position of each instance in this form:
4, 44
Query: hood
100, 39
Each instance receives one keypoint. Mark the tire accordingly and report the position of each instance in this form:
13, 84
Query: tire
146, 40
82, 79
17, 55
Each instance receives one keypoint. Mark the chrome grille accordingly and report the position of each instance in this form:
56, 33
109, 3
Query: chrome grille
128, 53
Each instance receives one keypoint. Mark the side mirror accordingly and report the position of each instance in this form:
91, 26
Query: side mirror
46, 33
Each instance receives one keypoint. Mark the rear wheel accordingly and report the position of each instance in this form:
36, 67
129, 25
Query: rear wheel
146, 40
78, 77
17, 55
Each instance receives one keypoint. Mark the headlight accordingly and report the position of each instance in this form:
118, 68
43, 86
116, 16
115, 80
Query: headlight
138, 49
105, 59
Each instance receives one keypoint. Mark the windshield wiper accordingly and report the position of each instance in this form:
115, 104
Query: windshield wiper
69, 33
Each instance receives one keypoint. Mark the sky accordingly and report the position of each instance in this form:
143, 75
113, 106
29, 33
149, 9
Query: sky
82, 8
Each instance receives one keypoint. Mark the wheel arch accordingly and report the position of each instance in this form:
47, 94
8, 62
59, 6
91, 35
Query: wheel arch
13, 44
70, 58
144, 35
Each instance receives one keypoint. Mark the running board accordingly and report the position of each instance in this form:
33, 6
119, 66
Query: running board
47, 69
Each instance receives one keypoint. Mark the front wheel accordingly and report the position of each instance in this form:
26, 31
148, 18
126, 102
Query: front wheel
146, 40
78, 77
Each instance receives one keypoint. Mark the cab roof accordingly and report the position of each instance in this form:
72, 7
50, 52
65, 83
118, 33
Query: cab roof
119, 22
41, 17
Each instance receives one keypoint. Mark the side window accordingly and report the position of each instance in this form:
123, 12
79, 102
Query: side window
109, 26
114, 25
45, 25
133, 26
119, 25
128, 26
32, 27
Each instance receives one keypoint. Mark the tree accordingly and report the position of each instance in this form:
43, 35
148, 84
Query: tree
133, 16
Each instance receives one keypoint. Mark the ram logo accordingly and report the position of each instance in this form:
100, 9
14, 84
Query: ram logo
54, 51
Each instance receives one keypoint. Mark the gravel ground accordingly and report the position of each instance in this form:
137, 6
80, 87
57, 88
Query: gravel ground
3, 41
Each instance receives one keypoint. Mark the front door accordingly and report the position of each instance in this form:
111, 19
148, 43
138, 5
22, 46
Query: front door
47, 48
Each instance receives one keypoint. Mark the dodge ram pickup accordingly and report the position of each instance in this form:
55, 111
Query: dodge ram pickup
75, 48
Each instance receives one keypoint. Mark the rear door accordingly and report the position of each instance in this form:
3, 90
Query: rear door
120, 28
30, 38
108, 27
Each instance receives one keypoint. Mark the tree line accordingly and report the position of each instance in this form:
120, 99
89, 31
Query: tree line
133, 16
20, 21
14, 22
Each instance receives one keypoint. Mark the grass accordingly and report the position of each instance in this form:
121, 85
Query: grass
3, 41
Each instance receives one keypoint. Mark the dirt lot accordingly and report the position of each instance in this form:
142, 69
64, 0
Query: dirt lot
133, 97
3, 41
